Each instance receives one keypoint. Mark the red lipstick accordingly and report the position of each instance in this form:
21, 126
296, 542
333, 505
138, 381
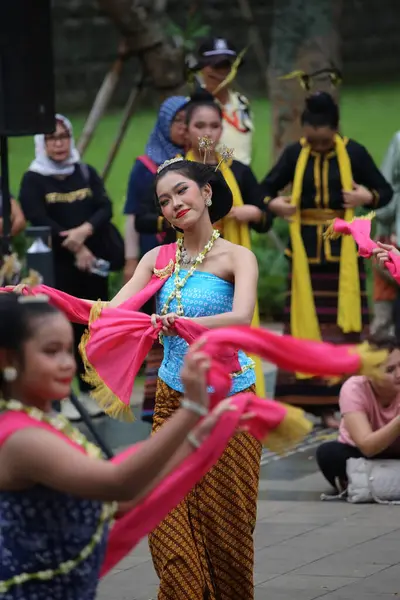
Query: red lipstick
182, 213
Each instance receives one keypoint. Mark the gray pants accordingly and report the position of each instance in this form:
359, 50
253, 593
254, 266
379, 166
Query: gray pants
383, 322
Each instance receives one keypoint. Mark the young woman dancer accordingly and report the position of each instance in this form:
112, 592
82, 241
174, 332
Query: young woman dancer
204, 548
213, 283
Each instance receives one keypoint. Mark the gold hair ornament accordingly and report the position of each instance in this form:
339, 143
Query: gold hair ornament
226, 155
206, 144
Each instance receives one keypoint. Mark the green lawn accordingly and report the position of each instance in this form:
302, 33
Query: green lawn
369, 114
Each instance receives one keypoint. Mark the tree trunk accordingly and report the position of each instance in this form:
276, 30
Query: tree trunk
141, 24
304, 37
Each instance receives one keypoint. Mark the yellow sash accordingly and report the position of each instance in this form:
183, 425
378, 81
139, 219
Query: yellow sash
303, 317
238, 233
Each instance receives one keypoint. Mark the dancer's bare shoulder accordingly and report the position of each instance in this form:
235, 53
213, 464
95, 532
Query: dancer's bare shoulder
236, 252
150, 258
227, 259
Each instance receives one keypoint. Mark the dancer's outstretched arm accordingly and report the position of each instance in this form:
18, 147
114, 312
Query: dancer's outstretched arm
139, 280
35, 456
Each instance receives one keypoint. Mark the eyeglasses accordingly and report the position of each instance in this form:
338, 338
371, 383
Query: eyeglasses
179, 121
60, 137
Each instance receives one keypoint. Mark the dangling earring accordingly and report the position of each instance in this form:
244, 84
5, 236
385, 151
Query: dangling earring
10, 374
208, 201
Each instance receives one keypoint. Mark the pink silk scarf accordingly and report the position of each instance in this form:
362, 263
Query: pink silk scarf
129, 339
360, 230
121, 338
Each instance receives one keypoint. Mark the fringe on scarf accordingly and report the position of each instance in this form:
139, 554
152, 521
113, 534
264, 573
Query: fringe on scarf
294, 428
371, 360
101, 393
331, 234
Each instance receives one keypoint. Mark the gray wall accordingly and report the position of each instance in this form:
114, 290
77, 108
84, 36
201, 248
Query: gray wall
85, 43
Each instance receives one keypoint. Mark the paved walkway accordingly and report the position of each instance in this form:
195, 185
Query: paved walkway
305, 548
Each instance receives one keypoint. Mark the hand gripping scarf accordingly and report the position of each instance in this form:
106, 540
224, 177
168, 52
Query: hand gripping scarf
360, 230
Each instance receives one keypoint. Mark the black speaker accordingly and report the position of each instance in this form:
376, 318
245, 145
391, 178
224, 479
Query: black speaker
27, 95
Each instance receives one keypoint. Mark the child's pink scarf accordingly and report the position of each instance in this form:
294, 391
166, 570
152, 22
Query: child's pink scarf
360, 230
142, 519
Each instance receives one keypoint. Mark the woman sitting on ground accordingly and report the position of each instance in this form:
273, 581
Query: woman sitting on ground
370, 420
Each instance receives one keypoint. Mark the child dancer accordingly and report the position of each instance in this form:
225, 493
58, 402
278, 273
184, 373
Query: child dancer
56, 499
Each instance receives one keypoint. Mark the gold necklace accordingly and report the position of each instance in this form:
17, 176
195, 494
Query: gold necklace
179, 282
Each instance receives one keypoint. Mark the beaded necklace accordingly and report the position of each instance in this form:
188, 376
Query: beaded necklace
181, 282
62, 424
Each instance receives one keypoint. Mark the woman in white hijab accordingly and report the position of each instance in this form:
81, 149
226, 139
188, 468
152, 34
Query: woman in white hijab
60, 192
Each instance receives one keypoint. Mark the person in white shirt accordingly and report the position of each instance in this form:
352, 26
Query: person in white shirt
215, 58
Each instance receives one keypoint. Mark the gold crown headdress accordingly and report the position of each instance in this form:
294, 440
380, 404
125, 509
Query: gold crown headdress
307, 79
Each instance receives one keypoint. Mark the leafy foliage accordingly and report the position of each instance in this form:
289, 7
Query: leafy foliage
273, 271
187, 36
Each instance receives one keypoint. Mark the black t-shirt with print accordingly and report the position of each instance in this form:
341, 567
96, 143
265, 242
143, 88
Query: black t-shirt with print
63, 203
